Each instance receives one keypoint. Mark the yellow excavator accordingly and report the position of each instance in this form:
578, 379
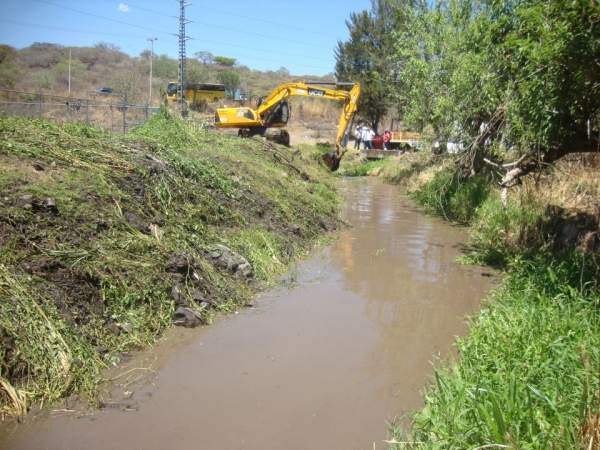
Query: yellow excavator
273, 111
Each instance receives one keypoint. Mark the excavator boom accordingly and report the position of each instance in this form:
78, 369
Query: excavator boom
273, 111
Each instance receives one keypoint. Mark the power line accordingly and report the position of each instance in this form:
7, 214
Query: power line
228, 13
105, 18
234, 29
258, 34
170, 34
72, 30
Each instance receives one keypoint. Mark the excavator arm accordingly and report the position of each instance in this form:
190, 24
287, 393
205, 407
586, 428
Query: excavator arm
273, 112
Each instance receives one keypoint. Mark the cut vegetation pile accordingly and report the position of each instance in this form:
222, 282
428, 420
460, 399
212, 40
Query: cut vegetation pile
105, 241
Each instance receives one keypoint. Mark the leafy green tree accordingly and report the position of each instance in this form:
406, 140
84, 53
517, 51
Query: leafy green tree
231, 80
196, 72
10, 71
224, 61
512, 80
364, 57
165, 67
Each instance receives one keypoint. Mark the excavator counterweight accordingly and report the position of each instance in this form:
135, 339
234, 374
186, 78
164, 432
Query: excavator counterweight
273, 111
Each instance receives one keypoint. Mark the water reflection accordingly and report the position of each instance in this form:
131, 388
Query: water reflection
402, 264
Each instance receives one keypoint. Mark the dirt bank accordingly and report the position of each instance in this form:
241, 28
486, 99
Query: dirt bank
106, 241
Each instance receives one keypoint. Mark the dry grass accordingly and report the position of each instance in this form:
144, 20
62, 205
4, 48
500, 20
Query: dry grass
572, 184
18, 399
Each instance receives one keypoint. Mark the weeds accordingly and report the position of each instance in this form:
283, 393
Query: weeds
528, 373
527, 370
89, 225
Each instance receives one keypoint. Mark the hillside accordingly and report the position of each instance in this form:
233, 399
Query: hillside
45, 67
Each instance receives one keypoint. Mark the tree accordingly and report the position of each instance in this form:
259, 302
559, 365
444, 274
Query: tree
146, 54
165, 67
231, 80
195, 72
107, 46
224, 61
364, 57
205, 57
10, 72
512, 80
44, 46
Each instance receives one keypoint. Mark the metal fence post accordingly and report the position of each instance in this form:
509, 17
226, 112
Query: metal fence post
124, 103
40, 105
87, 112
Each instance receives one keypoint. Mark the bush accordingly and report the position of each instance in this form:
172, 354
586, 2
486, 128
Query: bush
453, 196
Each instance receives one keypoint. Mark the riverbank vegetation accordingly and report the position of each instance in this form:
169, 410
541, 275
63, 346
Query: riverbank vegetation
528, 370
505, 98
107, 240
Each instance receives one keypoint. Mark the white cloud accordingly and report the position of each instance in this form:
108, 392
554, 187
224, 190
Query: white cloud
123, 7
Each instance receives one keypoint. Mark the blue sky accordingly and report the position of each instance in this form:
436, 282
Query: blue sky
261, 34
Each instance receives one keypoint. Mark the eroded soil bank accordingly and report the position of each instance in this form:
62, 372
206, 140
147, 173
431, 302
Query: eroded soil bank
323, 365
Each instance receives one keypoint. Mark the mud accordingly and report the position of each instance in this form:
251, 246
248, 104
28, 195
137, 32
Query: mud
322, 363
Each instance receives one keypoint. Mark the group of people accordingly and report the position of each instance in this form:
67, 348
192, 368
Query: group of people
366, 134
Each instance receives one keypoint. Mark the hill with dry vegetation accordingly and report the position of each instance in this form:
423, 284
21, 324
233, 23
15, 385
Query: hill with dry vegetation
45, 66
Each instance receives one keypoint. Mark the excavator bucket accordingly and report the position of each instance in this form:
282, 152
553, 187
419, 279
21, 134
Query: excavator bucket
332, 160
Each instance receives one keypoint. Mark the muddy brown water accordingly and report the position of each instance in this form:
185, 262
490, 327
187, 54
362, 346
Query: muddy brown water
323, 364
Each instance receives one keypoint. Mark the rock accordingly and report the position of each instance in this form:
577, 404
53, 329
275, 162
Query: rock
126, 327
50, 204
113, 328
178, 294
187, 317
198, 296
224, 258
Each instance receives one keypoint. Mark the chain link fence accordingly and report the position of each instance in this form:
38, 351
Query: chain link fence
111, 113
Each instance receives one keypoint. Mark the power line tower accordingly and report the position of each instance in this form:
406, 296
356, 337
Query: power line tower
182, 39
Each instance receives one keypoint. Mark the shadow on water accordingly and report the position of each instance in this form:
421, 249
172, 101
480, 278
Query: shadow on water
323, 365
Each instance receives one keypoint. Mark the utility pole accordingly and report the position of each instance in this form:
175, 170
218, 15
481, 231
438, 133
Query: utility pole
151, 59
182, 39
69, 71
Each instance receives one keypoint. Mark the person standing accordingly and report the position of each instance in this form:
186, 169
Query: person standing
367, 137
386, 138
357, 137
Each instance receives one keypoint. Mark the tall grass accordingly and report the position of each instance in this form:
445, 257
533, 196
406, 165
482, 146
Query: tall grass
90, 277
454, 196
527, 377
500, 233
528, 374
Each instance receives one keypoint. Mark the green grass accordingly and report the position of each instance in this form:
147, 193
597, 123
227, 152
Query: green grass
454, 196
73, 273
527, 377
359, 168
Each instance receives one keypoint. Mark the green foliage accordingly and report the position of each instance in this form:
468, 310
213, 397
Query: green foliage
87, 242
454, 196
527, 373
231, 80
165, 67
361, 169
363, 57
224, 61
520, 69
499, 234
